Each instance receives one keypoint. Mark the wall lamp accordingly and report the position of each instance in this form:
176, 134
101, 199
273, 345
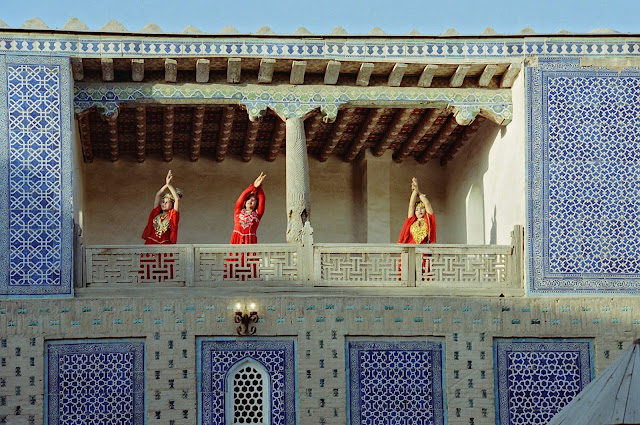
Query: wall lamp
246, 317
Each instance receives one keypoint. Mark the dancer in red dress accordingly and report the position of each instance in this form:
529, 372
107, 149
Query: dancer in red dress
248, 212
162, 226
420, 225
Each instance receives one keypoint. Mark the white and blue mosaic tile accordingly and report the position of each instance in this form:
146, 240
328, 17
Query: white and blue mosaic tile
583, 173
95, 382
218, 356
535, 379
35, 143
395, 382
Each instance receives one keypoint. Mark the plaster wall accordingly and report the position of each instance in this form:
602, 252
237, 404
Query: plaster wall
485, 183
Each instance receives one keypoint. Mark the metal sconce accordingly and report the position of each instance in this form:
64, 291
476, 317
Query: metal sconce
246, 320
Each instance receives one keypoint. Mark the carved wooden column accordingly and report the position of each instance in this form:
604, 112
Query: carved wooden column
297, 174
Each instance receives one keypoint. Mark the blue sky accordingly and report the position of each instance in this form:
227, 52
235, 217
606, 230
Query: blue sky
321, 16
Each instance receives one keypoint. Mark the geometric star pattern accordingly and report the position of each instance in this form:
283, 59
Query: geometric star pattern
535, 379
37, 142
584, 174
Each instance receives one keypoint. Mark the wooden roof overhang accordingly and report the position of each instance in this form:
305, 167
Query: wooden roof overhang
219, 106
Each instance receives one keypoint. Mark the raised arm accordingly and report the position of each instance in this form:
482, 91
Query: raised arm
423, 198
412, 202
261, 198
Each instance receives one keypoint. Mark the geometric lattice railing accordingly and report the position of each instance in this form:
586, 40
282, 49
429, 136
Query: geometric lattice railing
171, 264
353, 265
246, 263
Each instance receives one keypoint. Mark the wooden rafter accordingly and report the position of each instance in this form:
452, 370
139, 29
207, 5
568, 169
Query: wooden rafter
225, 132
364, 132
298, 69
396, 75
85, 136
196, 132
337, 130
77, 69
427, 120
250, 140
112, 125
458, 77
168, 133
332, 72
137, 70
265, 74
464, 138
277, 138
510, 75
487, 74
442, 136
312, 125
399, 120
107, 69
426, 77
364, 74
170, 70
141, 133
234, 70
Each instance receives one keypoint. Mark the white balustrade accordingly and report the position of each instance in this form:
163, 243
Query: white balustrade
353, 265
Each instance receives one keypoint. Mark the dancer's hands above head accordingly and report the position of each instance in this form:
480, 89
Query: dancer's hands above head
169, 178
258, 180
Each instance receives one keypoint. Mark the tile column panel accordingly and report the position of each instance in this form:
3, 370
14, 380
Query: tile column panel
297, 178
35, 163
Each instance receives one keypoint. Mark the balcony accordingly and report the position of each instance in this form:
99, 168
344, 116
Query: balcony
490, 270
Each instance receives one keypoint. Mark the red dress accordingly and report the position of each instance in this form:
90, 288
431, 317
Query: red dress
161, 230
428, 235
246, 222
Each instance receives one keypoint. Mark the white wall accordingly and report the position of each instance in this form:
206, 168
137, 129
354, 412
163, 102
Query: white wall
485, 194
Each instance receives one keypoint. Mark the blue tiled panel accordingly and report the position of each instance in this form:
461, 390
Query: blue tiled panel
395, 382
583, 179
218, 356
535, 379
95, 382
35, 141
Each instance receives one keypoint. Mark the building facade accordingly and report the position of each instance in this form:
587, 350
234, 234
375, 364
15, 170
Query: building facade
526, 145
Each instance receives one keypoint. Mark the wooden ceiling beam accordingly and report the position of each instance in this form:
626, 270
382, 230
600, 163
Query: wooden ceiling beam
234, 70
137, 70
168, 132
196, 132
298, 69
265, 74
458, 77
141, 133
77, 69
399, 120
332, 73
312, 125
464, 138
440, 139
250, 140
277, 138
85, 136
170, 70
364, 74
202, 70
510, 75
337, 131
364, 132
396, 75
226, 125
112, 129
107, 69
427, 120
487, 74
426, 77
